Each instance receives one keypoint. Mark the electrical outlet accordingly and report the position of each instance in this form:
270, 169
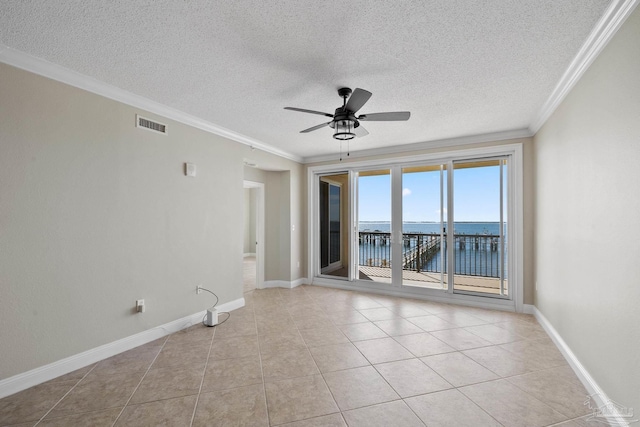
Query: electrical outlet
140, 306
198, 289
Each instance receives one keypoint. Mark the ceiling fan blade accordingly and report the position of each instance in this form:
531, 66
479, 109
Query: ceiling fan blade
311, 129
302, 110
358, 98
396, 116
360, 131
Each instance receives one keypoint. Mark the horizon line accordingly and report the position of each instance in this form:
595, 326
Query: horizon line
429, 222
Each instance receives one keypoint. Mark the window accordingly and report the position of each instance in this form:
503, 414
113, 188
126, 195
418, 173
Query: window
447, 225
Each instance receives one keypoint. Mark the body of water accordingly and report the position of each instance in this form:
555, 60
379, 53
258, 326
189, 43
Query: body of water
476, 250
469, 228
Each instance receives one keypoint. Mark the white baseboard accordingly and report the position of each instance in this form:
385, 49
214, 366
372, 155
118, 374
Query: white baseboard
276, 284
298, 282
53, 370
248, 254
229, 306
600, 398
284, 283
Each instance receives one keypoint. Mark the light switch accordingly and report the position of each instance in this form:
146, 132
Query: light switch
190, 169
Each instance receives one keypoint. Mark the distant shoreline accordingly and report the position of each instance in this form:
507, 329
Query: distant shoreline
429, 222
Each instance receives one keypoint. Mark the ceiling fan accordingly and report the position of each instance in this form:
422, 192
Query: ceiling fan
344, 121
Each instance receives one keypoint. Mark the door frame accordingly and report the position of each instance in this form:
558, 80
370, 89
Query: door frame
260, 229
313, 227
516, 272
336, 265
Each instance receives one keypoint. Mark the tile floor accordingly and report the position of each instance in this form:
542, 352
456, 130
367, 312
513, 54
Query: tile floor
314, 356
249, 273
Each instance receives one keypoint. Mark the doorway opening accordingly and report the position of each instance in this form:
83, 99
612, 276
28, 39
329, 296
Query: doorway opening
333, 215
253, 237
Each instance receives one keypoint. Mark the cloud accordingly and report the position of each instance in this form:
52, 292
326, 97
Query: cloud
406, 192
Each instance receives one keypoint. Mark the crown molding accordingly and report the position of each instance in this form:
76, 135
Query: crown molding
427, 145
64, 75
613, 18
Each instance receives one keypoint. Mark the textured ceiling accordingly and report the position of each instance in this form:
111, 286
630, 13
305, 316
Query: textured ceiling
461, 67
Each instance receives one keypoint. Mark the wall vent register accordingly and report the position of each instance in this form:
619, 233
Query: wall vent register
145, 123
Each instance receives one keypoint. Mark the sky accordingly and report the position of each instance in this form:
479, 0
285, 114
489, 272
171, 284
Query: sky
476, 190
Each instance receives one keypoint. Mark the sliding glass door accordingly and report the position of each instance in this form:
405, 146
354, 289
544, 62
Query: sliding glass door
333, 225
374, 225
440, 226
480, 226
424, 224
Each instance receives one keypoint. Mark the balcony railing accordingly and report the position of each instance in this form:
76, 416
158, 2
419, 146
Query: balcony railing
474, 255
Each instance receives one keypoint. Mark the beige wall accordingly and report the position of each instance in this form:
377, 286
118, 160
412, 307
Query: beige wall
95, 213
587, 214
246, 246
298, 218
255, 174
249, 221
277, 256
528, 196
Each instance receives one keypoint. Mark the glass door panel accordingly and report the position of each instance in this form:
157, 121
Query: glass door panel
374, 225
333, 217
480, 238
424, 223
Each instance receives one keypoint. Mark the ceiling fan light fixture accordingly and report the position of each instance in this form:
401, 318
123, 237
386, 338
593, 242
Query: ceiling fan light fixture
344, 130
344, 121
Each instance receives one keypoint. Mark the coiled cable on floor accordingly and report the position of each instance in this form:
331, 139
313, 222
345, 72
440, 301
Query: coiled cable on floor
212, 307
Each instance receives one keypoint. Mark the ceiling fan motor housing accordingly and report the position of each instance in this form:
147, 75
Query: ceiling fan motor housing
341, 114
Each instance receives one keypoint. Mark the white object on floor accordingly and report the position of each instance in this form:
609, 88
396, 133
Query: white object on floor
212, 317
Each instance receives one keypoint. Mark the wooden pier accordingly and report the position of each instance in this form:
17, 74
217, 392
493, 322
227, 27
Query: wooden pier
475, 255
461, 282
421, 253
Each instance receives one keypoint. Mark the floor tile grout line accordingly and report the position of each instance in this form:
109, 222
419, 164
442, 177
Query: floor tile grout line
560, 423
534, 397
370, 364
139, 382
401, 399
65, 395
322, 376
311, 418
478, 405
307, 347
534, 340
264, 385
487, 412
321, 373
396, 391
312, 358
204, 372
331, 393
418, 358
